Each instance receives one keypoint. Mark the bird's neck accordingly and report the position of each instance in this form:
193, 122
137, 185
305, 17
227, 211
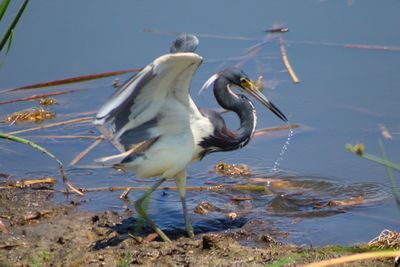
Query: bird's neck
242, 106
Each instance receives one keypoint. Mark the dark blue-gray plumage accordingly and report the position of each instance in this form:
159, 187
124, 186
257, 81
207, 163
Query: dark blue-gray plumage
184, 43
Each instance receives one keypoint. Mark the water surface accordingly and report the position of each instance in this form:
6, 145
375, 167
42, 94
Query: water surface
344, 96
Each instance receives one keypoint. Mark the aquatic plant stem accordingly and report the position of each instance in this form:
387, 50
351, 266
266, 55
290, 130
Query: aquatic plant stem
41, 149
86, 151
392, 181
373, 158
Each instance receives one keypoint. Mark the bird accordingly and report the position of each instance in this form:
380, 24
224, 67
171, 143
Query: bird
159, 129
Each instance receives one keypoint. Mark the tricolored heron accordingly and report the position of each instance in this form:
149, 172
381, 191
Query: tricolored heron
154, 109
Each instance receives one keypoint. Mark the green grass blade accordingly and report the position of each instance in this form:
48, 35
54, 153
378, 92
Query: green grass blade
29, 143
3, 7
45, 151
10, 41
384, 162
13, 24
392, 181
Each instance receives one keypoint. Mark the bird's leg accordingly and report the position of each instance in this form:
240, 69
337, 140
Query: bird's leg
142, 212
180, 180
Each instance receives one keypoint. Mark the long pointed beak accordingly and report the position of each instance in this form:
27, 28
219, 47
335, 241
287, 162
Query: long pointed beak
249, 87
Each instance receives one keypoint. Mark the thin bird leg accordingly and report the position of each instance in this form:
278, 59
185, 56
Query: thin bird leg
142, 212
180, 180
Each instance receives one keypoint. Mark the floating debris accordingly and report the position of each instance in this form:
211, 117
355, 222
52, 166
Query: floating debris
385, 132
47, 101
386, 239
39, 96
278, 30
116, 83
37, 183
238, 199
286, 61
205, 207
353, 201
232, 215
36, 115
232, 169
28, 183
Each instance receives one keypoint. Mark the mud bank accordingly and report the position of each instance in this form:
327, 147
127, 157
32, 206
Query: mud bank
37, 232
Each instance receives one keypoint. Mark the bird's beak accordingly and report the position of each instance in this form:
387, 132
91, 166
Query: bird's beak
250, 88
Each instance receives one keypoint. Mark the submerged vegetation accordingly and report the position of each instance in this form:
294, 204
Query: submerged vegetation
36, 115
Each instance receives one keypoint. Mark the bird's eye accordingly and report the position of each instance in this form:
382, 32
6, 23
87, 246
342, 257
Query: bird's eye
244, 82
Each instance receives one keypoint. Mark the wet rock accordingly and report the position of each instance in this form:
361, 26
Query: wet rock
205, 207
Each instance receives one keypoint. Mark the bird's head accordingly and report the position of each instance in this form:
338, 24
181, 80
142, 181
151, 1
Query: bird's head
237, 77
184, 43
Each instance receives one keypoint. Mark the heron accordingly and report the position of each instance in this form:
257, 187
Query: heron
159, 128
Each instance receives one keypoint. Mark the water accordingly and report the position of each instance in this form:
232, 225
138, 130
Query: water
283, 151
343, 97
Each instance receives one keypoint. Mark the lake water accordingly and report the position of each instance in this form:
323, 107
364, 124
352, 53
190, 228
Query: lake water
345, 96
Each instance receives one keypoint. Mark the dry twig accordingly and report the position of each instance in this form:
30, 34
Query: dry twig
355, 257
40, 96
86, 151
286, 61
374, 47
29, 182
78, 120
71, 80
386, 239
63, 137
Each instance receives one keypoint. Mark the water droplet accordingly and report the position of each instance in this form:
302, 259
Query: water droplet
283, 151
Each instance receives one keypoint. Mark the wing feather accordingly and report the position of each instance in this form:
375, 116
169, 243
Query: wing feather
133, 110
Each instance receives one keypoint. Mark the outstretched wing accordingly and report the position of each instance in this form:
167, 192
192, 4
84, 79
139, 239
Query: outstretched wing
133, 110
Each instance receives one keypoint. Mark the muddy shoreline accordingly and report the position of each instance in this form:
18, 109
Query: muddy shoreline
38, 232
